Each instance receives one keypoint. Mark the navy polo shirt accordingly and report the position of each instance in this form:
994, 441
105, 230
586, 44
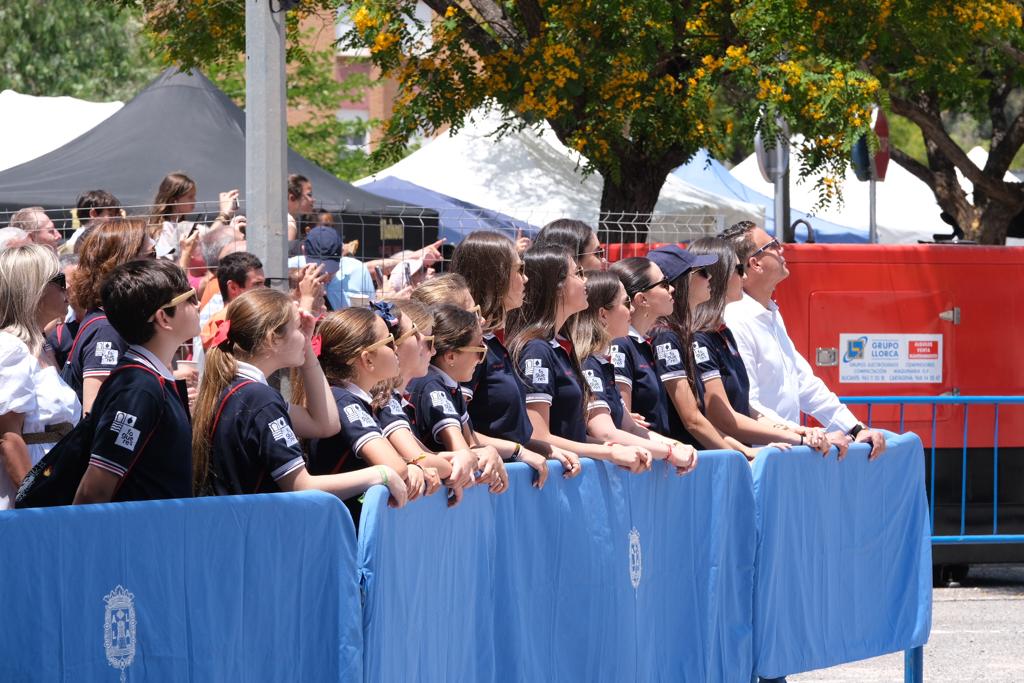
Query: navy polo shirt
392, 415
60, 338
497, 397
600, 376
142, 432
635, 366
716, 356
340, 453
253, 445
437, 403
97, 351
551, 378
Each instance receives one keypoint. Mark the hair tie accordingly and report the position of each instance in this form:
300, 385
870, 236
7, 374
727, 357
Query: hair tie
385, 310
221, 334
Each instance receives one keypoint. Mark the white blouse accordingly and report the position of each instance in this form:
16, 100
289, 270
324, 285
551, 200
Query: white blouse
36, 392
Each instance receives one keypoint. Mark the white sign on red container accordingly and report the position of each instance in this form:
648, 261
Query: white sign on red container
883, 358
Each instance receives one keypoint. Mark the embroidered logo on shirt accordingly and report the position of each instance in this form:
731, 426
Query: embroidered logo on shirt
700, 353
101, 348
668, 354
395, 407
440, 399
618, 358
127, 435
282, 431
109, 357
358, 415
596, 385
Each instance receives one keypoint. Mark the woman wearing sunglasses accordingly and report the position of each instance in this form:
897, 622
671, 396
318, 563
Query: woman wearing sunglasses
722, 385
438, 407
578, 238
357, 353
36, 407
495, 276
245, 435
556, 391
607, 317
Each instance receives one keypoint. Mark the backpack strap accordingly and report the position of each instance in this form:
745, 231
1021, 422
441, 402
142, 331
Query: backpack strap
149, 436
81, 329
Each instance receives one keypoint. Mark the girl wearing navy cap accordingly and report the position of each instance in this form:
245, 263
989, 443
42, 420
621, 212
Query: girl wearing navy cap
497, 398
357, 351
440, 413
245, 436
607, 316
674, 358
722, 384
555, 399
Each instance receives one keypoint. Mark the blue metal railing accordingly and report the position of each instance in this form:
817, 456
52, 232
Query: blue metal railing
966, 402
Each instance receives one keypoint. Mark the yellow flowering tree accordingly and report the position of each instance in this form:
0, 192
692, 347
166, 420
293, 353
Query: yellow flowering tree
934, 59
636, 86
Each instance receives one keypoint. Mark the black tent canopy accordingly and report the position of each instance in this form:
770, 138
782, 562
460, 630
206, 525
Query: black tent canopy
182, 121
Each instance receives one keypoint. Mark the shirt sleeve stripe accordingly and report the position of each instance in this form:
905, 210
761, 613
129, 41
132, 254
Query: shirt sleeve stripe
95, 373
365, 439
538, 398
444, 424
108, 465
622, 379
594, 405
287, 468
395, 426
468, 393
675, 374
710, 374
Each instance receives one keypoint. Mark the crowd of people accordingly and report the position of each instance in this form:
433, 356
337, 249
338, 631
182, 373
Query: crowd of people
423, 378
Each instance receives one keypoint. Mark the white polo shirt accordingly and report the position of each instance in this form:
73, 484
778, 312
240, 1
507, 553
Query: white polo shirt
782, 383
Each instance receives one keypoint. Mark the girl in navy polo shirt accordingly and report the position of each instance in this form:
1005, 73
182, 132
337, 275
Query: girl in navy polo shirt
722, 384
591, 331
578, 238
651, 362
97, 348
245, 436
394, 412
358, 352
497, 398
555, 290
440, 413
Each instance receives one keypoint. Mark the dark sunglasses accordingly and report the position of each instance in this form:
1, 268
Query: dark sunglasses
599, 253
60, 280
772, 246
702, 271
660, 283
521, 268
740, 270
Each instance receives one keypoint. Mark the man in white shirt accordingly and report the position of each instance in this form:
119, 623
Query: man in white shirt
782, 384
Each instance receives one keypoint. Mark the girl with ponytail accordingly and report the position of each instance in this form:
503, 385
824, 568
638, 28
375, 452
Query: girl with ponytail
555, 399
245, 436
591, 332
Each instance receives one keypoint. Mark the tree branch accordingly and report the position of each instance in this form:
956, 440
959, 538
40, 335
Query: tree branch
1005, 148
494, 16
533, 16
934, 131
482, 41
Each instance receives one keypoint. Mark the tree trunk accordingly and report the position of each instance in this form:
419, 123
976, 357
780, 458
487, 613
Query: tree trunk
627, 204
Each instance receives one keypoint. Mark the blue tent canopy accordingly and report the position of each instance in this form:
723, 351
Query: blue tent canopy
708, 174
457, 218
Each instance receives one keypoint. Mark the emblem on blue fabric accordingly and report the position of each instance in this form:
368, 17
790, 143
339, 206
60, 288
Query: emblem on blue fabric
636, 565
119, 629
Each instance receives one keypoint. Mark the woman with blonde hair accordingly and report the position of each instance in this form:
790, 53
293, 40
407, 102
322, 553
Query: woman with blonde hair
245, 437
97, 347
36, 407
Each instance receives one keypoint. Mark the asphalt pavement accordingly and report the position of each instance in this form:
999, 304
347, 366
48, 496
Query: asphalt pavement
977, 635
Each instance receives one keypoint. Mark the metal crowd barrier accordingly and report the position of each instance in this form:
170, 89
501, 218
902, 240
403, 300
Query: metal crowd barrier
963, 537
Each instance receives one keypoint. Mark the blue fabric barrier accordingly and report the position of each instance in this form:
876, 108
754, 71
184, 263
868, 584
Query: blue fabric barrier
216, 589
843, 557
606, 577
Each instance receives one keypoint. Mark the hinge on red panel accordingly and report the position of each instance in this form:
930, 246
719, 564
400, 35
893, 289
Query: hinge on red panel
951, 316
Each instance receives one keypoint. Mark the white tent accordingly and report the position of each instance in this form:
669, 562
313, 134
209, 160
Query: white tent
979, 155
906, 209
534, 178
32, 126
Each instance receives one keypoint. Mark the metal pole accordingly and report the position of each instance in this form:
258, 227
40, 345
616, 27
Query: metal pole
873, 208
913, 665
781, 190
788, 231
266, 149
